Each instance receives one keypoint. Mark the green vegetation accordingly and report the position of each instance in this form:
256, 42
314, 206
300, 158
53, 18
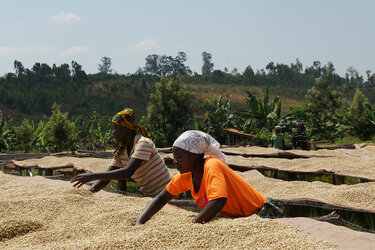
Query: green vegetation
169, 112
169, 98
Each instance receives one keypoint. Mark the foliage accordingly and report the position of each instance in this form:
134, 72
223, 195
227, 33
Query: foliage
320, 114
166, 65
217, 118
29, 137
94, 133
59, 131
6, 134
169, 112
321, 96
33, 91
348, 140
24, 134
360, 117
265, 115
207, 64
263, 137
105, 66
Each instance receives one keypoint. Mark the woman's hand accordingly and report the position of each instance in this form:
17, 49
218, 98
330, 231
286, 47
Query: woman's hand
82, 179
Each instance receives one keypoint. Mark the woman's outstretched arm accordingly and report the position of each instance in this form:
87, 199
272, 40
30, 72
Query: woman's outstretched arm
212, 208
153, 207
118, 174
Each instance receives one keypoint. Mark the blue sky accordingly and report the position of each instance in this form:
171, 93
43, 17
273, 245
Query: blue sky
237, 33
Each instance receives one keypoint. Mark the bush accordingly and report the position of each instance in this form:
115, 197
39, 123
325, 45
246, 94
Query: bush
24, 136
59, 131
263, 138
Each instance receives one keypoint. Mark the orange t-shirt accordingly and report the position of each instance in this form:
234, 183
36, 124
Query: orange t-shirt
220, 181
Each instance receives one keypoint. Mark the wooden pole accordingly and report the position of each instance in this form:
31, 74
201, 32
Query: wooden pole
49, 172
122, 185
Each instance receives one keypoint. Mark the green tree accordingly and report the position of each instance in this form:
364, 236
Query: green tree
207, 64
94, 133
217, 118
105, 66
24, 135
248, 75
7, 136
323, 106
360, 117
265, 115
152, 65
59, 131
169, 112
79, 75
167, 65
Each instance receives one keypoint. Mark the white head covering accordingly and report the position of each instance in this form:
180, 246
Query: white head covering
199, 142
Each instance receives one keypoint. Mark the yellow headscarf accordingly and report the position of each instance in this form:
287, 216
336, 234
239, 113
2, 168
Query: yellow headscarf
126, 118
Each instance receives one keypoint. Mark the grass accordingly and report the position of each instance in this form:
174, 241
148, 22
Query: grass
351, 140
238, 95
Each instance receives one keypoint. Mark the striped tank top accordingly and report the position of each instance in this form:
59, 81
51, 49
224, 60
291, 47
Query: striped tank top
152, 175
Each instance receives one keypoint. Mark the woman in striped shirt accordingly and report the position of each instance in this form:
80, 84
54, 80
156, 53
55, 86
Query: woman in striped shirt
135, 157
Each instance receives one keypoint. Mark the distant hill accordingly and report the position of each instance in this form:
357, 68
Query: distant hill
31, 92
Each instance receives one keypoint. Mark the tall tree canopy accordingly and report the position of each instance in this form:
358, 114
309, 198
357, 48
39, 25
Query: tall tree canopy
208, 65
169, 112
105, 66
167, 65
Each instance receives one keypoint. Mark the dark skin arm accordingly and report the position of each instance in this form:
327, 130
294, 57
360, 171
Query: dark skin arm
213, 207
100, 184
153, 207
118, 174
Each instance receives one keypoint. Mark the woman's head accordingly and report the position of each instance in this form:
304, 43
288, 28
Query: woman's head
126, 119
198, 142
121, 133
184, 160
300, 127
277, 129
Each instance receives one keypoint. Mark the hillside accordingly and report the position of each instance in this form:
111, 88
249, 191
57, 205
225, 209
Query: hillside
238, 93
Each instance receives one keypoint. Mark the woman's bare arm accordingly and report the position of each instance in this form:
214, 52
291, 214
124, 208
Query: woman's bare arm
153, 207
118, 174
212, 208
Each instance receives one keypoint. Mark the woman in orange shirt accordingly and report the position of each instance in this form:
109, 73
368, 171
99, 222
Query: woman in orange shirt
215, 187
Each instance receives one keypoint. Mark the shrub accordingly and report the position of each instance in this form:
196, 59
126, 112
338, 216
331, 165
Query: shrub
59, 131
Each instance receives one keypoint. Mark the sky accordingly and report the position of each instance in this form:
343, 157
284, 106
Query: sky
237, 33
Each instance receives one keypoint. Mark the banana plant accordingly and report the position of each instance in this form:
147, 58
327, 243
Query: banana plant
265, 114
6, 134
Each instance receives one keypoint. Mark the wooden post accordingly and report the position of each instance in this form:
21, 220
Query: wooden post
276, 174
20, 170
338, 180
301, 176
40, 171
49, 172
363, 180
121, 186
342, 214
295, 211
291, 176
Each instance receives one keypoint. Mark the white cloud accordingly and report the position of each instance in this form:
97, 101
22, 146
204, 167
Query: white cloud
145, 45
8, 50
63, 17
75, 50
179, 46
26, 50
